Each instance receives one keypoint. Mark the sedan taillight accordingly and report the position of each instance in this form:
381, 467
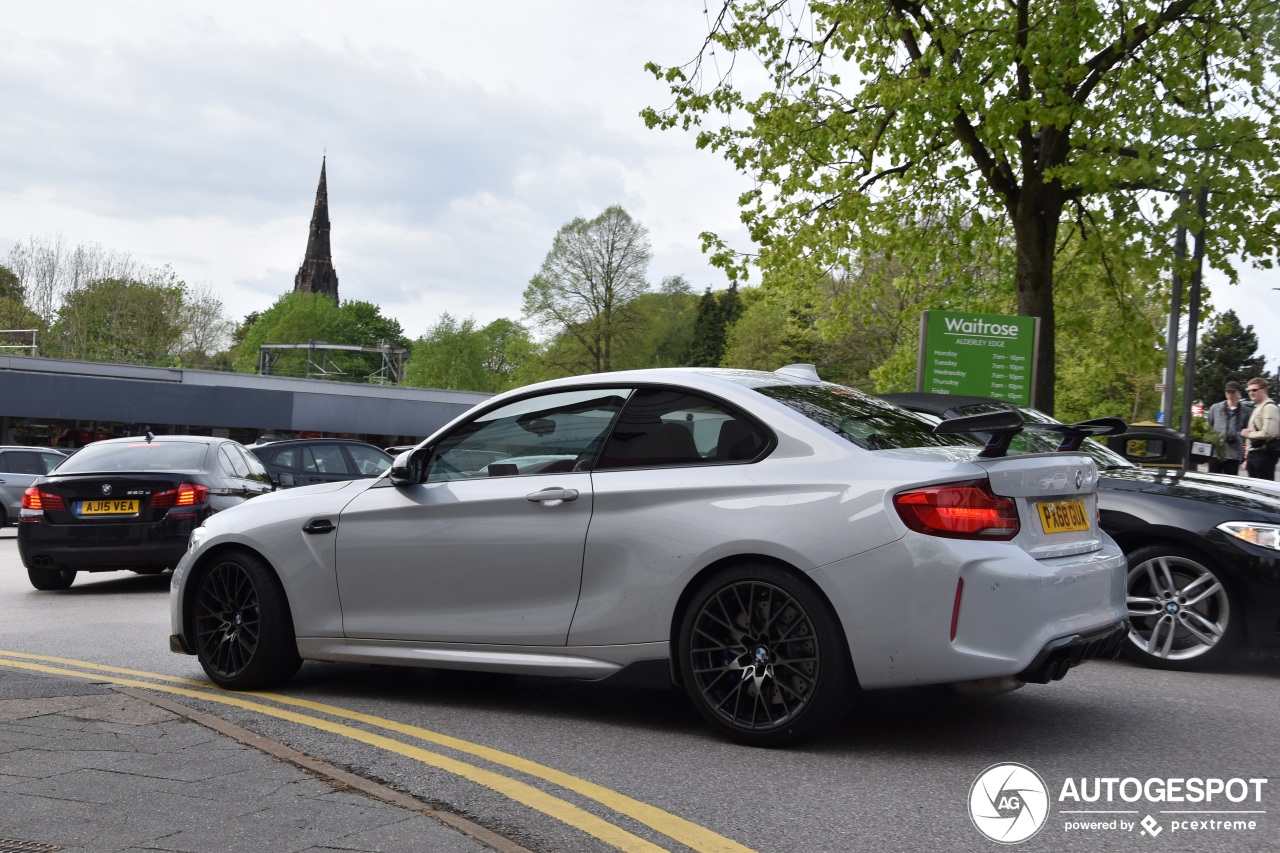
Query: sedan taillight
33, 498
964, 510
187, 494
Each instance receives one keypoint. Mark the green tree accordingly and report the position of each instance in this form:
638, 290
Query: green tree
1227, 350
450, 355
766, 336
717, 312
119, 320
664, 335
509, 351
10, 284
1086, 112
300, 318
455, 355
595, 270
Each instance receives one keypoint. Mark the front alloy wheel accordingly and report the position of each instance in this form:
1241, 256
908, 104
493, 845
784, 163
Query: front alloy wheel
763, 659
1181, 614
244, 632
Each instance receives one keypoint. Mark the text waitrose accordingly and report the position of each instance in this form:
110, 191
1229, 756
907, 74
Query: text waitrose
980, 327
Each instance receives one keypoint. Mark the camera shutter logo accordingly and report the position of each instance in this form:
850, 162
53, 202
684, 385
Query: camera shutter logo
1008, 803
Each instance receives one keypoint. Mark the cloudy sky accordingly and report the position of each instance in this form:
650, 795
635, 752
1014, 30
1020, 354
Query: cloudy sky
458, 144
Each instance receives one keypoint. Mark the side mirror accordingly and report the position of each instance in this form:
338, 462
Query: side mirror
407, 469
285, 481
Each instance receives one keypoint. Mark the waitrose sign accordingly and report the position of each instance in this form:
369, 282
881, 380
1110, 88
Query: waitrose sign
984, 355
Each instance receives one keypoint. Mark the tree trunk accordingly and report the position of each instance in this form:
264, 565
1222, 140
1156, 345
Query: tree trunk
1035, 223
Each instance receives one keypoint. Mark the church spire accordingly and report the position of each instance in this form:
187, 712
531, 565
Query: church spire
316, 275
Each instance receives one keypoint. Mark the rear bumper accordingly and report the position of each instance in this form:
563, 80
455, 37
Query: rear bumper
103, 547
1061, 654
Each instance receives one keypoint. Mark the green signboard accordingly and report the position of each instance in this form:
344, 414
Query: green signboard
984, 355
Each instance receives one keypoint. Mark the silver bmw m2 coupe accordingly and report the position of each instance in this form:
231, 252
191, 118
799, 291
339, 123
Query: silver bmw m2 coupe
769, 542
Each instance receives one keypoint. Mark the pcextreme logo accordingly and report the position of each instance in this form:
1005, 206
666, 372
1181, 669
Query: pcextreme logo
1010, 803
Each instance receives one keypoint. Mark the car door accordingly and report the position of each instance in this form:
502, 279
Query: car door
487, 545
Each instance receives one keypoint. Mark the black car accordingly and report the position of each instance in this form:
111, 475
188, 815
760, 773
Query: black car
131, 504
1203, 549
307, 461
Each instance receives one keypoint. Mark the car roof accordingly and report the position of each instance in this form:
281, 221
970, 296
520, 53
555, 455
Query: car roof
33, 447
288, 441
190, 439
705, 378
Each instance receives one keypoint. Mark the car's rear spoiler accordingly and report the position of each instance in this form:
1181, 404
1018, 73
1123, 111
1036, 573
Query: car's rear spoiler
1001, 427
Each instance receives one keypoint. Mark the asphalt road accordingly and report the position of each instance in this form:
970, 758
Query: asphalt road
897, 776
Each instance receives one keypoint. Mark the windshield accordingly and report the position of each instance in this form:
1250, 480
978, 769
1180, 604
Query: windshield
865, 421
1035, 441
136, 456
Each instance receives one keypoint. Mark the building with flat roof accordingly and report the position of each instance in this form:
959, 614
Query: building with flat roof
55, 403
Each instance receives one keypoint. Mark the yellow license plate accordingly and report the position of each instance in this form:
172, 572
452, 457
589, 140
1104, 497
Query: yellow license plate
1064, 516
129, 507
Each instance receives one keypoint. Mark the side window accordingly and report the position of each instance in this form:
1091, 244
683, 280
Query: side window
23, 462
51, 460
369, 462
329, 459
297, 459
664, 428
256, 469
232, 465
547, 434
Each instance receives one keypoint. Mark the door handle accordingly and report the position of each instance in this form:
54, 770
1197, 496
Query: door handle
553, 496
320, 525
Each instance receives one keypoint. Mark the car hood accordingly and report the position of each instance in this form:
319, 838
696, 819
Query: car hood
1243, 493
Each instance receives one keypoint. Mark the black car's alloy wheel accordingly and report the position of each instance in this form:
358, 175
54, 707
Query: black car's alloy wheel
1181, 613
763, 658
51, 579
243, 630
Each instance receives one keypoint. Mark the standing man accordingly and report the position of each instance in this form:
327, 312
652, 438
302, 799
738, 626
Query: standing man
1227, 417
1263, 432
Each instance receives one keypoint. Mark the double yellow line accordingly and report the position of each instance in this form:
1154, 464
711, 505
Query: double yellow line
678, 829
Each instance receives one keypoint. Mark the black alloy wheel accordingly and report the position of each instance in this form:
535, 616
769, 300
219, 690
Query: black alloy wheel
1182, 615
763, 658
243, 629
51, 579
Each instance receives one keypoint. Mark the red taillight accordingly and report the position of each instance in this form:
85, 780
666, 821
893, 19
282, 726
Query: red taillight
187, 494
966, 510
33, 498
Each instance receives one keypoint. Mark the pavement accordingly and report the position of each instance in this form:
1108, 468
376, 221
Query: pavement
95, 769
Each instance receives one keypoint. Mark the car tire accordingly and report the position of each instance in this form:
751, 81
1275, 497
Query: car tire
243, 629
51, 579
763, 658
1182, 614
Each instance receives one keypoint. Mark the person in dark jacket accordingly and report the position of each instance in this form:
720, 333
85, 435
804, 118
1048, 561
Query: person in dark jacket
1227, 417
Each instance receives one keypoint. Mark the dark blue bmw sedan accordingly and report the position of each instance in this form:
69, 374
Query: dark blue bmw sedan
130, 504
